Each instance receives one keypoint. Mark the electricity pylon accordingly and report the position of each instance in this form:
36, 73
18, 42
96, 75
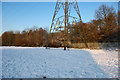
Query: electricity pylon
64, 22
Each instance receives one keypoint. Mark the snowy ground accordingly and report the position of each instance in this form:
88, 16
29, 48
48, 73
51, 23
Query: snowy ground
56, 63
0, 63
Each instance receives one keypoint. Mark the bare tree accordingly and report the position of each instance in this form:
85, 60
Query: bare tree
106, 17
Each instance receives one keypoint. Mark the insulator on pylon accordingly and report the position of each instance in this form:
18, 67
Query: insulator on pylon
74, 23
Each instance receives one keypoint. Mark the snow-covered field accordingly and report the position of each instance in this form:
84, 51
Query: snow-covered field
19, 62
0, 63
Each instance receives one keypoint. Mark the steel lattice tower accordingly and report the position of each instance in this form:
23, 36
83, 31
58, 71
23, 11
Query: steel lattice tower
66, 21
62, 23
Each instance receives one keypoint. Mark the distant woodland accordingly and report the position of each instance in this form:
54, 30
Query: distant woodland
104, 28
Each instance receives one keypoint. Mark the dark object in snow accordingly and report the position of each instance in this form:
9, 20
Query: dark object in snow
21, 79
64, 48
47, 48
44, 77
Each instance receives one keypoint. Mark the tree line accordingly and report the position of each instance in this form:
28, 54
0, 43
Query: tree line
31, 37
104, 28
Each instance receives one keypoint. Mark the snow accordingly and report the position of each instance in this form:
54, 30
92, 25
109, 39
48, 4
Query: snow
0, 63
29, 62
